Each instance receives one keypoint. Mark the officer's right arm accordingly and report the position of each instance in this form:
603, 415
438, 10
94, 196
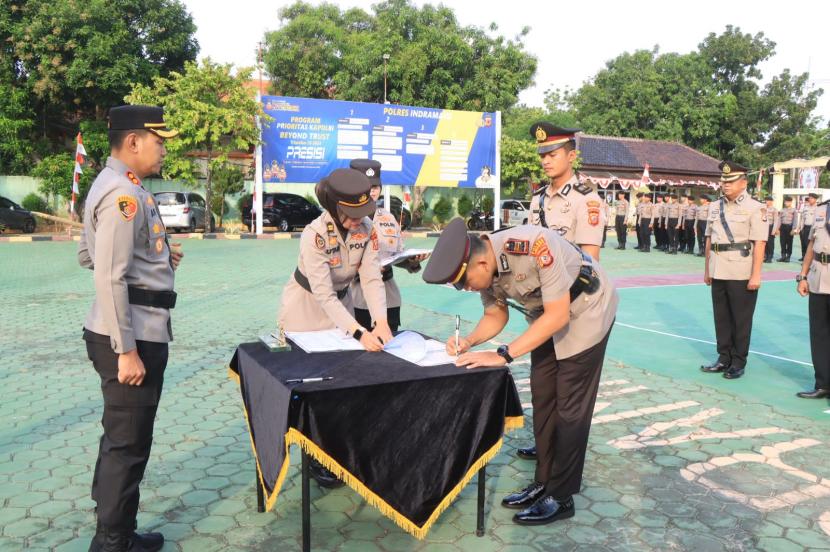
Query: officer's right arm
318, 271
84, 258
534, 210
114, 244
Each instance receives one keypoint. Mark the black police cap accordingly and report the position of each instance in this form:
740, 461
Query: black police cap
369, 167
140, 117
731, 171
350, 189
813, 195
550, 138
448, 262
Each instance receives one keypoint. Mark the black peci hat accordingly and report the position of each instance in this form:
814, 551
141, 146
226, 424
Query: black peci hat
140, 117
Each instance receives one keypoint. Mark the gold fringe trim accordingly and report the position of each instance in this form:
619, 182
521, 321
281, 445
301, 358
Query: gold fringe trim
293, 436
234, 376
514, 422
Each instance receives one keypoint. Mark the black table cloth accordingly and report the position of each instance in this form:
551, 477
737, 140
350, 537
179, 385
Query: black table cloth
406, 438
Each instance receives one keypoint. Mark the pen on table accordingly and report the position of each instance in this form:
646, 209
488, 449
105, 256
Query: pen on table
457, 328
309, 380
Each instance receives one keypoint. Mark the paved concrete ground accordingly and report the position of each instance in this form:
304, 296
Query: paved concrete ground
677, 461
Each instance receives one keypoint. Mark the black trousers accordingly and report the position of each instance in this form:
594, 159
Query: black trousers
786, 239
701, 236
657, 230
645, 234
804, 235
393, 317
563, 393
689, 235
619, 226
604, 233
672, 230
129, 415
637, 231
733, 306
820, 338
769, 250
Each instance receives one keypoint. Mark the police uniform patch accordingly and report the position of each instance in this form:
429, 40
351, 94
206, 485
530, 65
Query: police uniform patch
358, 236
374, 238
133, 178
149, 200
545, 259
127, 206
517, 247
156, 228
505, 266
319, 242
334, 261
565, 190
159, 245
539, 246
583, 189
593, 212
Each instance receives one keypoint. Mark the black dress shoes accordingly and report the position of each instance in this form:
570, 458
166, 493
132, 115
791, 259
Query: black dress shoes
546, 510
733, 373
111, 541
322, 476
814, 394
528, 453
715, 367
525, 497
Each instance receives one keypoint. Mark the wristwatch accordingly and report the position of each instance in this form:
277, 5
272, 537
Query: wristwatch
800, 278
358, 333
504, 353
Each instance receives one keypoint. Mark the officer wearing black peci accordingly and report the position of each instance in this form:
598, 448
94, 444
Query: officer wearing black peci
128, 327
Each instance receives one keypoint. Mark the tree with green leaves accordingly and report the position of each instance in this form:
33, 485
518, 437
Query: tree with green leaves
519, 166
63, 61
325, 52
56, 173
228, 179
214, 113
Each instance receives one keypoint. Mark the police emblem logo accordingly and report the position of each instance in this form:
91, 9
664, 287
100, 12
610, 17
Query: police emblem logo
370, 172
319, 242
541, 135
593, 212
545, 259
726, 169
156, 228
358, 236
520, 277
334, 261
159, 245
363, 199
127, 207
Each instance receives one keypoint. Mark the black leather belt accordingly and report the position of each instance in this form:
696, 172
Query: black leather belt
303, 281
151, 298
823, 258
738, 246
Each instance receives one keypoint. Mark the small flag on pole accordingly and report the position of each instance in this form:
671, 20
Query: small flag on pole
646, 179
80, 153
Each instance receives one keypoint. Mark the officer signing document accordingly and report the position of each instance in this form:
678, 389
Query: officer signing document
128, 329
570, 304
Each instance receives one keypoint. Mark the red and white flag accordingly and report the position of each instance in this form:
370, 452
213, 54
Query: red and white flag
646, 179
80, 153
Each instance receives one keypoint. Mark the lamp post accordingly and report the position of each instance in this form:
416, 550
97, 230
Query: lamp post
385, 59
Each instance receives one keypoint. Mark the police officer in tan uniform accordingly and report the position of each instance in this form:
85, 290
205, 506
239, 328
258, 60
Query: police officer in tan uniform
687, 225
735, 236
388, 231
814, 279
647, 214
661, 233
570, 305
336, 247
788, 218
774, 221
620, 220
671, 222
805, 222
572, 209
701, 217
128, 328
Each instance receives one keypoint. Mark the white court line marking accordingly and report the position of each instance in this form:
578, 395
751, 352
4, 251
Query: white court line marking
709, 343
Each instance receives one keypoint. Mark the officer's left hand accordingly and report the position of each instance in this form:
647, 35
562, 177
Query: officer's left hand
382, 331
176, 254
803, 288
480, 359
754, 283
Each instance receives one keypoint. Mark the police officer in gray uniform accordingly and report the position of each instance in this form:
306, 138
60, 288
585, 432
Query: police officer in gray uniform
701, 215
128, 328
774, 221
621, 212
735, 236
805, 222
570, 304
787, 218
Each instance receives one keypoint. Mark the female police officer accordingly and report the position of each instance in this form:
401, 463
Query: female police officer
334, 248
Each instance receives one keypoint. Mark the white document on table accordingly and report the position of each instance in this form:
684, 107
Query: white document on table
413, 347
405, 254
324, 341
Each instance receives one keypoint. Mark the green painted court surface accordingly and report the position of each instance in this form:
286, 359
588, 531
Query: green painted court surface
678, 459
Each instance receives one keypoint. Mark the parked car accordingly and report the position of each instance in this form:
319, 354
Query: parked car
182, 210
285, 211
13, 216
395, 207
515, 212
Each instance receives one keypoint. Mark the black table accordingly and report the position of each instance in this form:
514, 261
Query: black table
406, 438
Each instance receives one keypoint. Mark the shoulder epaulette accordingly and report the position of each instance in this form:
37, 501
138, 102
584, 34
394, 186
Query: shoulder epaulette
541, 190
583, 189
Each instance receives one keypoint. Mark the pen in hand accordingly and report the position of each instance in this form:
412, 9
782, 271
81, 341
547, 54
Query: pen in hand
457, 328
